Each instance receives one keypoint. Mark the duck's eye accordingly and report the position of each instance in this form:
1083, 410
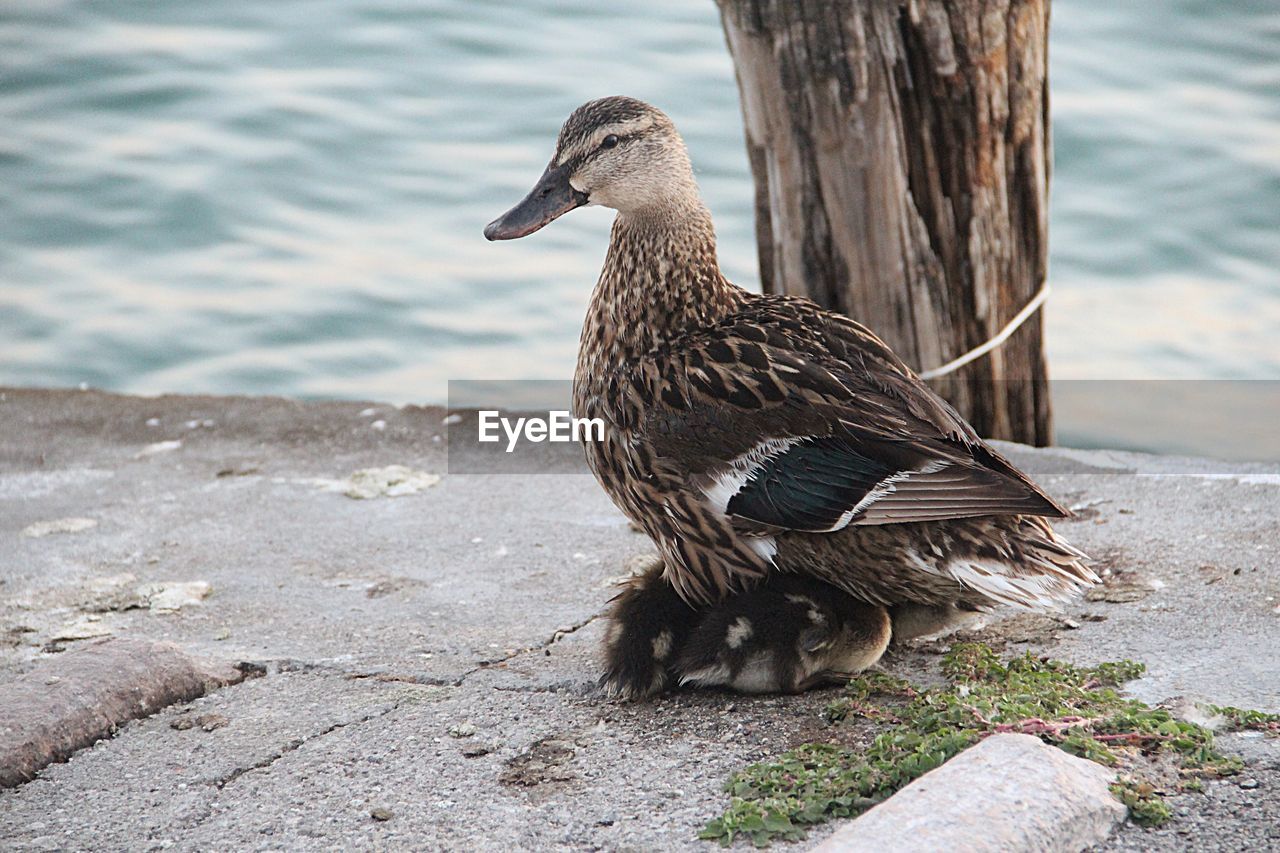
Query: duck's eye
610, 141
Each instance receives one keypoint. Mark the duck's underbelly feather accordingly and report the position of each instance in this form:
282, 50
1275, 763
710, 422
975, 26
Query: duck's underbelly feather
977, 562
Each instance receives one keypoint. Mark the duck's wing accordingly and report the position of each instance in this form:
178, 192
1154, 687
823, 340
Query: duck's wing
822, 484
791, 418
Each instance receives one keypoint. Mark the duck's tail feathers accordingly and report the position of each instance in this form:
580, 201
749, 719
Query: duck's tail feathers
1045, 572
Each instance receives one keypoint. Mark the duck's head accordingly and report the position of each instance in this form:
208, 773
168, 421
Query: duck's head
616, 152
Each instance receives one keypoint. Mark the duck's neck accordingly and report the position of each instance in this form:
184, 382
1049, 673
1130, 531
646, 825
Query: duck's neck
660, 279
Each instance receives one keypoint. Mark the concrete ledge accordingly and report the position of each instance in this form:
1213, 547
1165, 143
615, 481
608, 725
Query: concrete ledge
80, 697
377, 614
1009, 793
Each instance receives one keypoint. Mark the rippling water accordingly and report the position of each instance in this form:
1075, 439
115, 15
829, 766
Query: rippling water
287, 197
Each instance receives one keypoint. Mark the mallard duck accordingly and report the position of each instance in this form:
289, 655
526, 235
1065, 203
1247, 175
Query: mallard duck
750, 434
788, 634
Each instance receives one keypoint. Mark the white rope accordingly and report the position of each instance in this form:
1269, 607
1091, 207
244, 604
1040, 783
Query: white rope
1001, 337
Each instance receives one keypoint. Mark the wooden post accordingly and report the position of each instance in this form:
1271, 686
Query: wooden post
900, 150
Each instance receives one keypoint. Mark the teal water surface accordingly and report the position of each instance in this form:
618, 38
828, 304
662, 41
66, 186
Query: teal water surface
287, 198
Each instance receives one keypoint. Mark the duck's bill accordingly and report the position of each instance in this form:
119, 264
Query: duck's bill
551, 198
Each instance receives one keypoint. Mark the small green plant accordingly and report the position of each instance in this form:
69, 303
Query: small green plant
1239, 719
1075, 708
1145, 805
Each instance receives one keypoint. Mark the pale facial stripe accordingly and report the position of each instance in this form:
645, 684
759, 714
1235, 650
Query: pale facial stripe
584, 146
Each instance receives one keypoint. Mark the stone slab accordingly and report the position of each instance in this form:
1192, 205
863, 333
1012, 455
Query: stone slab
1011, 793
75, 699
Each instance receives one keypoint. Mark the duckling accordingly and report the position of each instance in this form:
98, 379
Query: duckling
647, 625
789, 635
753, 434
912, 621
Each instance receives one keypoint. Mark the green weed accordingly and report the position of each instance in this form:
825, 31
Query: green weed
1075, 708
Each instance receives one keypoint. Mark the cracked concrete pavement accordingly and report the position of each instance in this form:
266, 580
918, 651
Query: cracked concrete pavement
430, 657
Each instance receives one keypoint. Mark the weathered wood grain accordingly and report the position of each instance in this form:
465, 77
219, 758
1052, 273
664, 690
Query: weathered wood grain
901, 156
